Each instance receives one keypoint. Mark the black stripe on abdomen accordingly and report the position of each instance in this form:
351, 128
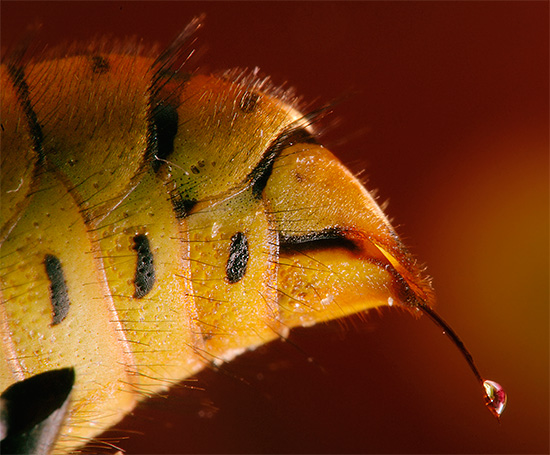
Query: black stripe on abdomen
324, 239
145, 269
18, 79
59, 295
259, 176
235, 268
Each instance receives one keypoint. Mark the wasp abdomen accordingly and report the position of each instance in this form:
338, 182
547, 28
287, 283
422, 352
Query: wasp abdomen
161, 219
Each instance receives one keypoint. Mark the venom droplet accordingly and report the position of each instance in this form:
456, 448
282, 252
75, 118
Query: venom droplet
495, 397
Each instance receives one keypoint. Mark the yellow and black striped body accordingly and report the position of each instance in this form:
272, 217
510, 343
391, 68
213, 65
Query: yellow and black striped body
153, 223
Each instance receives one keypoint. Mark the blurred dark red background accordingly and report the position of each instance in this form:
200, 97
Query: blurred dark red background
448, 114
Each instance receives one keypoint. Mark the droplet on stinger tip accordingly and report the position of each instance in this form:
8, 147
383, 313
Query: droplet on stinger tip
495, 397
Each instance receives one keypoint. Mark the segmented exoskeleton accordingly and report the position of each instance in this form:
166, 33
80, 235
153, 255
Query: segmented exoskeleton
155, 221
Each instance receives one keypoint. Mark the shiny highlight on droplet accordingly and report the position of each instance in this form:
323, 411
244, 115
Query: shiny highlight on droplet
495, 397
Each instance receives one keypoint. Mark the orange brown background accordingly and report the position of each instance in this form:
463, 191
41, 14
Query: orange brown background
446, 109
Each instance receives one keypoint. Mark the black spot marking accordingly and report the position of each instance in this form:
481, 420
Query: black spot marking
260, 174
163, 130
249, 102
18, 78
264, 170
195, 169
145, 269
238, 258
317, 240
59, 295
181, 206
100, 65
165, 94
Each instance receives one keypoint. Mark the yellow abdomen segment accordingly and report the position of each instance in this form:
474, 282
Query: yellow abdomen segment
154, 223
